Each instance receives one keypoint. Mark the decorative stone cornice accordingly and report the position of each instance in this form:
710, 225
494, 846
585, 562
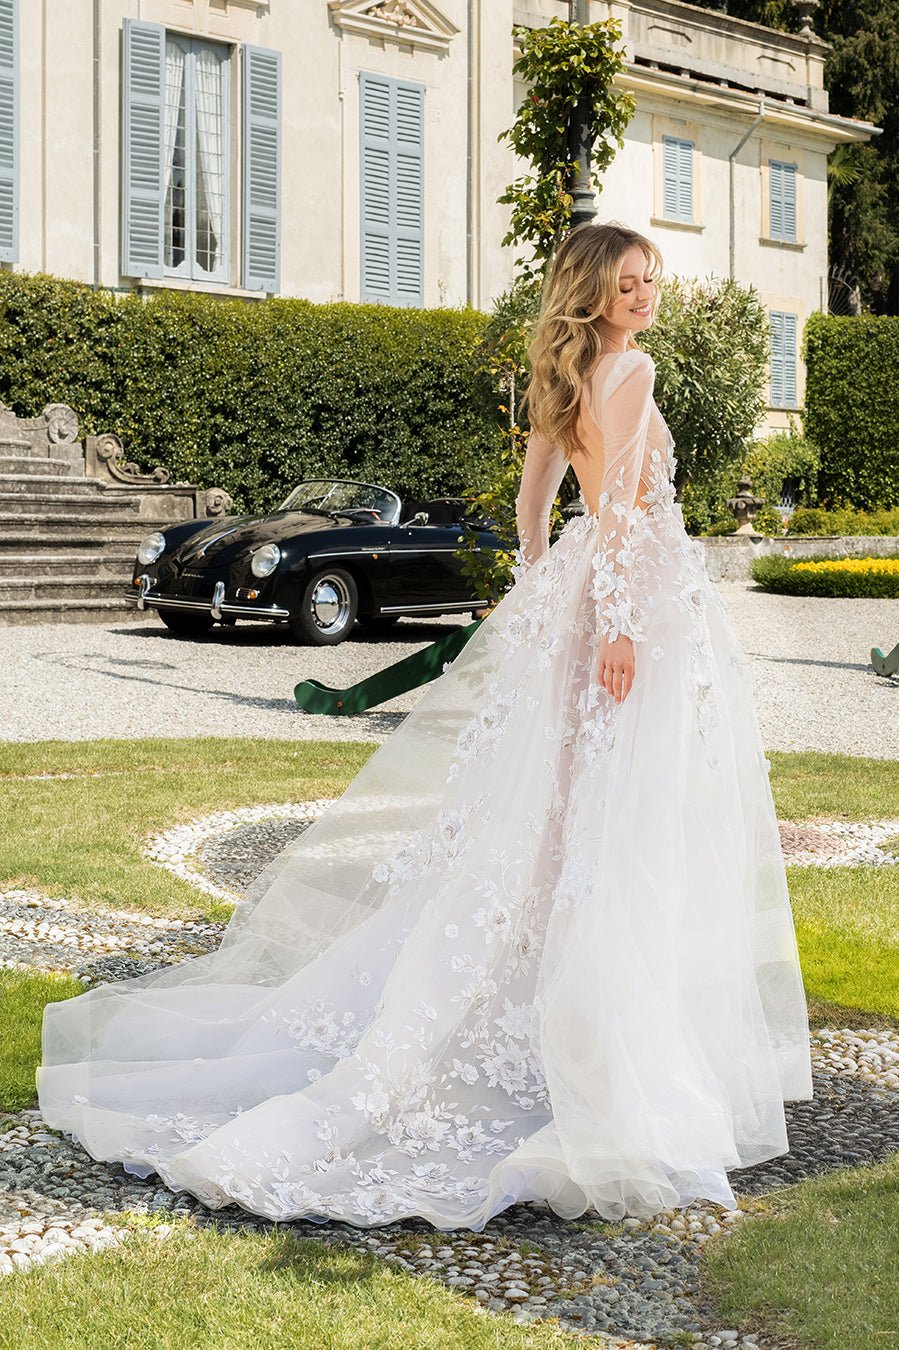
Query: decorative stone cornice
414, 23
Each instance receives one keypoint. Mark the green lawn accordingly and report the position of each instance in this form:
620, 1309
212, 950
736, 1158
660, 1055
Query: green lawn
211, 1290
80, 834
817, 1263
22, 1000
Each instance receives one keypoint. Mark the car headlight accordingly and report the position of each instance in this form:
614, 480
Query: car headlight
265, 560
151, 548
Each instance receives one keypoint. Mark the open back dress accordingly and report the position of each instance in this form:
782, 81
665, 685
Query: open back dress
541, 948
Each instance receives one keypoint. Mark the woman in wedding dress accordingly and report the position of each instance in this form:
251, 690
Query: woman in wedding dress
541, 948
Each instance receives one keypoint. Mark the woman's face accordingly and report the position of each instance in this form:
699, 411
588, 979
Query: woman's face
631, 309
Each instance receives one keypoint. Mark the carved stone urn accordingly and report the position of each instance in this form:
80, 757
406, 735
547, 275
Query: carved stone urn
745, 506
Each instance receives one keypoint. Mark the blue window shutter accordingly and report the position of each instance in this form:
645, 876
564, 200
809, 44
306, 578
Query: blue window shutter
392, 190
143, 147
9, 130
782, 194
261, 169
777, 359
789, 359
677, 200
409, 194
784, 349
378, 230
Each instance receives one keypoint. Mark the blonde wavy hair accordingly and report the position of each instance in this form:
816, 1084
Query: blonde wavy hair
581, 282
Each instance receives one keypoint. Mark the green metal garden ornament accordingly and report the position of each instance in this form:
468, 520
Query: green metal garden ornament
885, 665
412, 671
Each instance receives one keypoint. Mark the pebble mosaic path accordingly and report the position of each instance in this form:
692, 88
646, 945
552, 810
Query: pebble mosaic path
634, 1285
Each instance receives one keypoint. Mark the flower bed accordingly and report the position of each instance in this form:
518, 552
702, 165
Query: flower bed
853, 577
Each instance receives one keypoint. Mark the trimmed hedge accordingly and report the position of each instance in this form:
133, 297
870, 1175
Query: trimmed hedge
853, 577
851, 408
253, 397
812, 520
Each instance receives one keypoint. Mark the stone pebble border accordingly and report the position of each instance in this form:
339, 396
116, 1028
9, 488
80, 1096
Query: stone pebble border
631, 1286
178, 849
204, 845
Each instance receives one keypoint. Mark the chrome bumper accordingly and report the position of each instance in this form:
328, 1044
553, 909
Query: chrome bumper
143, 598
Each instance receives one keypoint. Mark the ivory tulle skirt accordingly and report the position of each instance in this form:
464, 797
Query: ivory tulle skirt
540, 948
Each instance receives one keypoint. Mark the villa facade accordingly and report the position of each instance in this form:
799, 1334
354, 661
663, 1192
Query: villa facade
347, 149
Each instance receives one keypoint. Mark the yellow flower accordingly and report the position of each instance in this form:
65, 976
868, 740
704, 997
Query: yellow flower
881, 567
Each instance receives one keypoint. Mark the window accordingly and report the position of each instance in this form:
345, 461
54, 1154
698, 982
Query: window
195, 211
177, 212
392, 190
677, 171
782, 200
9, 130
783, 358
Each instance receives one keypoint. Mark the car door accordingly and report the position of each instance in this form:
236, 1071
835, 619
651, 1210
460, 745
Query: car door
424, 573
366, 547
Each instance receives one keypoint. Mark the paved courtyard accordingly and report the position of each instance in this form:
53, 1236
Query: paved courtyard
814, 687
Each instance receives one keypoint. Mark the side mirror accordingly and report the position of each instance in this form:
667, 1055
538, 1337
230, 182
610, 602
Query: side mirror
420, 518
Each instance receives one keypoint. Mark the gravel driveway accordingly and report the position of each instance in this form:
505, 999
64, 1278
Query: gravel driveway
814, 687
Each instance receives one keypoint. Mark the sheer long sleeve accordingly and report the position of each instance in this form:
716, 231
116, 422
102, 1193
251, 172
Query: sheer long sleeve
621, 402
541, 476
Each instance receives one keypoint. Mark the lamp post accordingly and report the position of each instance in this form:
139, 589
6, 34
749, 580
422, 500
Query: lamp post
580, 148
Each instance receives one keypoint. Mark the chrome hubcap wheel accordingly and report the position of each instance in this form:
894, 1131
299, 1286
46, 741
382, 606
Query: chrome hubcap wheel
330, 604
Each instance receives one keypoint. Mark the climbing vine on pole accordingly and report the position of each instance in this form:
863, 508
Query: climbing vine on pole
561, 64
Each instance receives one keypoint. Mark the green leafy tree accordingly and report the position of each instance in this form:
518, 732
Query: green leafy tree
561, 64
710, 347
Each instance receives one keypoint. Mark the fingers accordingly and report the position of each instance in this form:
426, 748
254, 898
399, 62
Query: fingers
616, 679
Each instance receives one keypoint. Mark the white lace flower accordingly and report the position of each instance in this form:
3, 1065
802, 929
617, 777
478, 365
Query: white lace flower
417, 1131
373, 1105
495, 921
519, 1020
507, 1067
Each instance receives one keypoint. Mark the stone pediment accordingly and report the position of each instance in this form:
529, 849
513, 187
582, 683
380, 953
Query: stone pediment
415, 23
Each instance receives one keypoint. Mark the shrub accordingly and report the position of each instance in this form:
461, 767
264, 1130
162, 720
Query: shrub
781, 458
854, 577
710, 346
851, 410
767, 521
817, 520
256, 396
772, 462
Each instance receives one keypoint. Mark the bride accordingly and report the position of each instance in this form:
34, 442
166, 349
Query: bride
541, 948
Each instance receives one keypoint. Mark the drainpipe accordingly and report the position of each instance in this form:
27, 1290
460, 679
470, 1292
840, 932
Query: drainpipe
732, 253
471, 242
96, 148
341, 131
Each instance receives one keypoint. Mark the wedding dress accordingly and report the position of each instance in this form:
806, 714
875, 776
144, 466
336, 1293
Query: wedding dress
541, 948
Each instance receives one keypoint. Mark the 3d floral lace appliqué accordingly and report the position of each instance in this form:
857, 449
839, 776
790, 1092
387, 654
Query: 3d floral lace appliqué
432, 1086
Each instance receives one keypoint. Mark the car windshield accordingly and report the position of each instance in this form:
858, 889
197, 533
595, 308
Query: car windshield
333, 494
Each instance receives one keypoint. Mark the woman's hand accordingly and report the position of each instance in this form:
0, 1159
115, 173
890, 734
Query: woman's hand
616, 666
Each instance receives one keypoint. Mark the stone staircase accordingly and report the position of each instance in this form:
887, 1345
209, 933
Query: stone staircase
72, 517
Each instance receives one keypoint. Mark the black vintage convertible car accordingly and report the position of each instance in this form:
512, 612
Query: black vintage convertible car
333, 553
